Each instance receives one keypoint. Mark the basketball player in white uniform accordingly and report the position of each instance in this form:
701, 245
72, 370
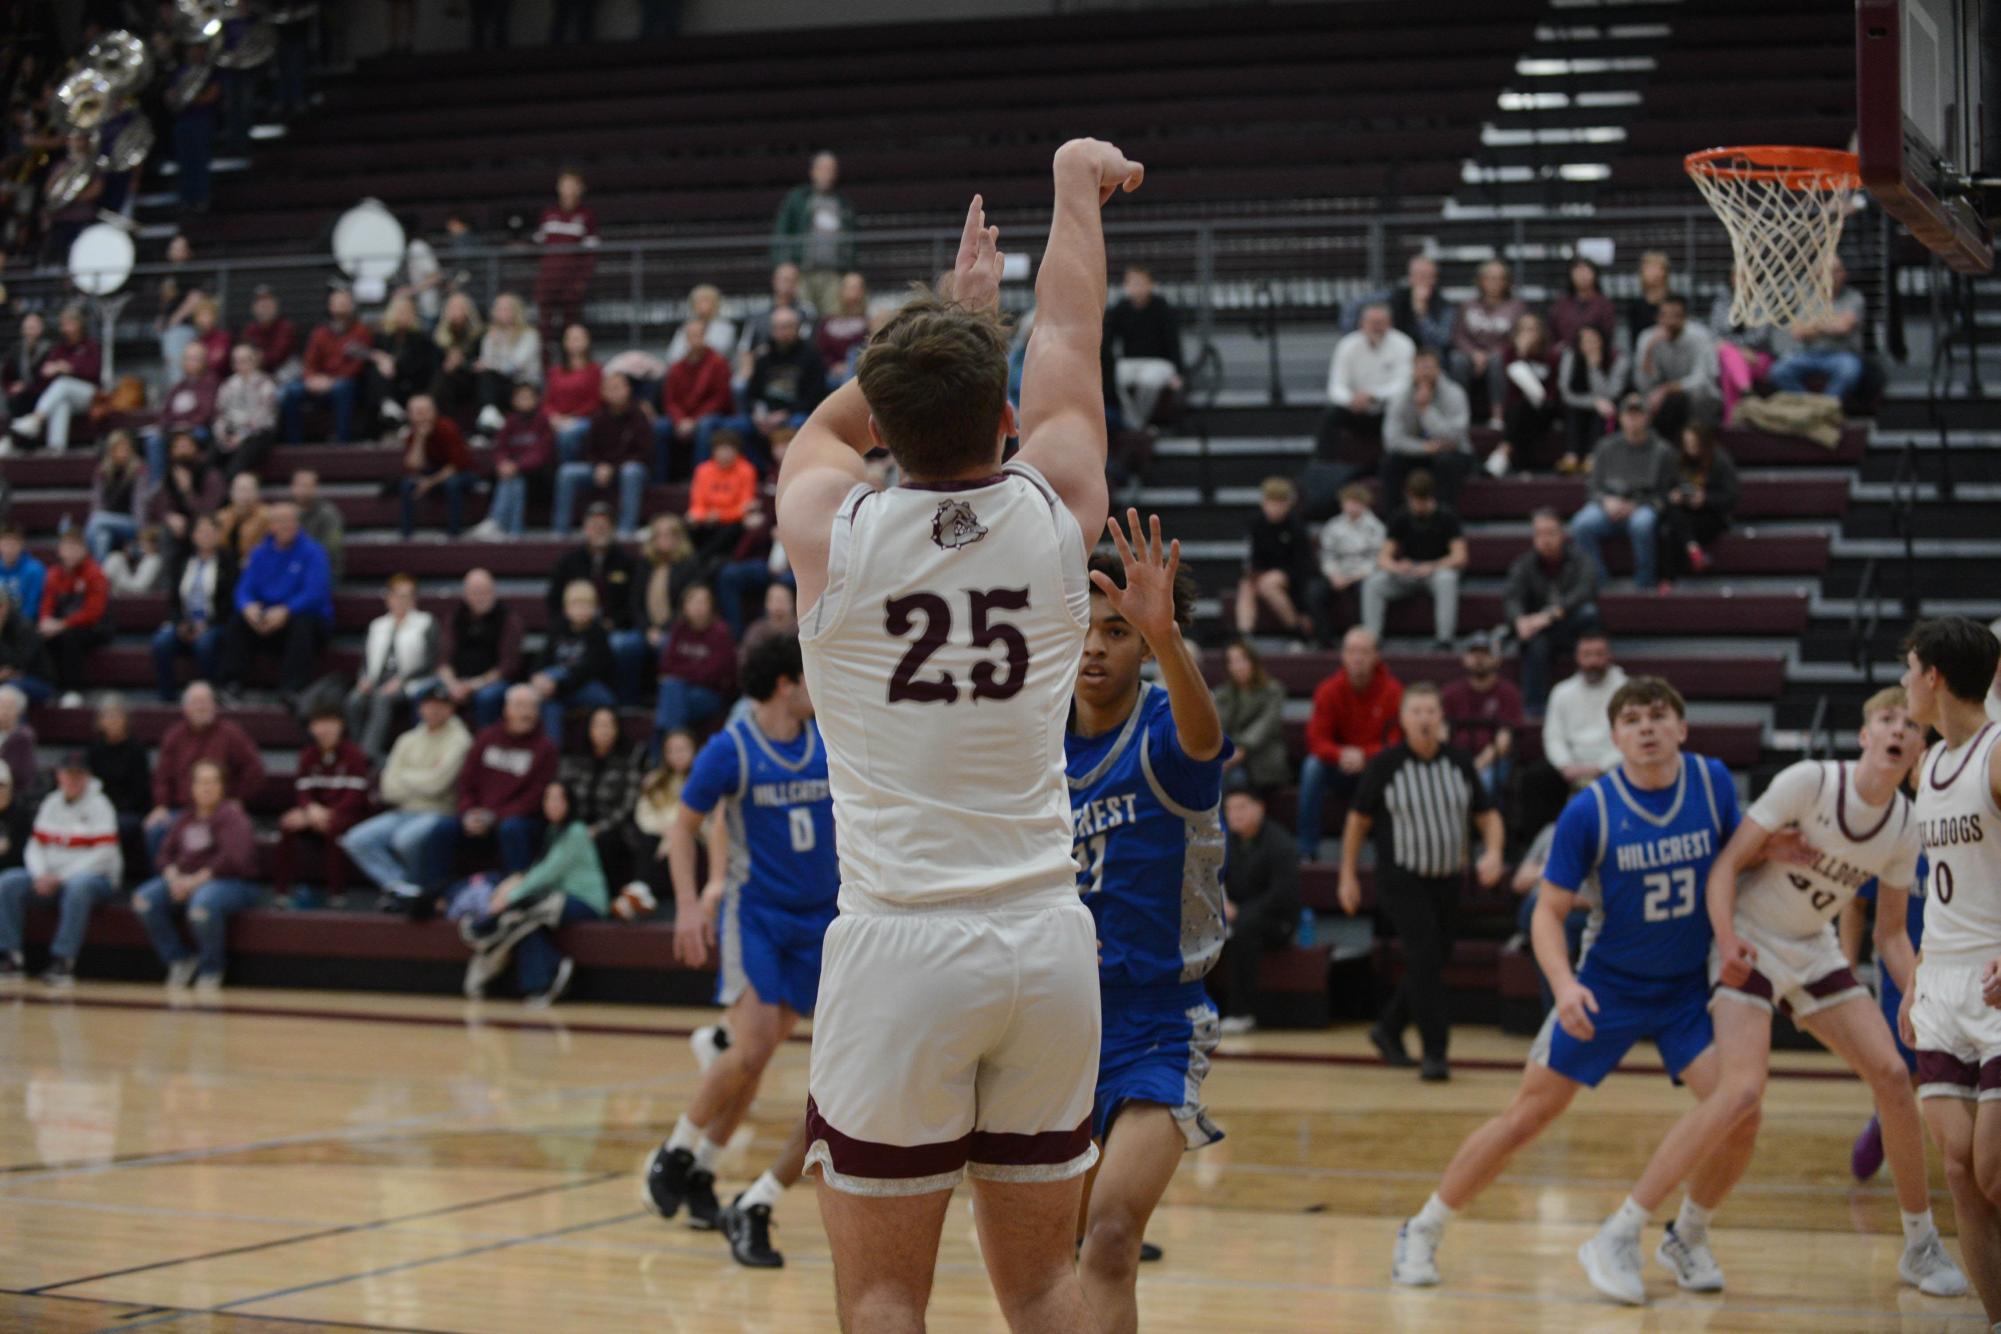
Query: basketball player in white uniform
942, 622
1949, 1018
1776, 945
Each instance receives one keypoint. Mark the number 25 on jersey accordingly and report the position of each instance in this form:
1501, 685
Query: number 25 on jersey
929, 617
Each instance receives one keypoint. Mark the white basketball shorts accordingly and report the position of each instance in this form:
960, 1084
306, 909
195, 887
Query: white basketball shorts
1797, 974
1959, 1034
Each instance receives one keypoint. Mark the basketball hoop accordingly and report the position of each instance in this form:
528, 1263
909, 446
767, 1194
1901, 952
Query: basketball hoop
1783, 208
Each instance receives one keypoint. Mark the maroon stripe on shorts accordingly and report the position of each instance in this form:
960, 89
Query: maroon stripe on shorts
1048, 1149
1757, 984
885, 1162
1990, 1075
1836, 982
1937, 1067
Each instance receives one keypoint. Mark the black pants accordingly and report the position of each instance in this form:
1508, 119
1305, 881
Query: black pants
1259, 929
297, 644
1681, 525
69, 650
1422, 910
1348, 436
1448, 470
249, 454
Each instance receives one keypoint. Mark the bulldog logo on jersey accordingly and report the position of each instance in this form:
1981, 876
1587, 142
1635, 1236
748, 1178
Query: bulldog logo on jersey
955, 525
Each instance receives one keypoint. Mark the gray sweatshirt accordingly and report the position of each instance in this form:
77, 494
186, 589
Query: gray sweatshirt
1690, 359
1406, 428
1643, 473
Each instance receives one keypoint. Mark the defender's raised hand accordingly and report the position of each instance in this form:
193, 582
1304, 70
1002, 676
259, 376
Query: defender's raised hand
976, 274
1113, 169
1147, 600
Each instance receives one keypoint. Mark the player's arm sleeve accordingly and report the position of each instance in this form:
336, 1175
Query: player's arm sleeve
1789, 798
1195, 784
716, 775
1573, 851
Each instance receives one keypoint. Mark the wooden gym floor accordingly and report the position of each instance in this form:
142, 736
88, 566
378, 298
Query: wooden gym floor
291, 1160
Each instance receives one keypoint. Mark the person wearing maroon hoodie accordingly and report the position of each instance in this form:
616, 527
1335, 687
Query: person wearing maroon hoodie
205, 866
337, 355
199, 737
188, 407
71, 371
524, 451
435, 457
330, 793
697, 666
568, 237
75, 597
500, 789
575, 388
1354, 716
614, 455
275, 337
695, 396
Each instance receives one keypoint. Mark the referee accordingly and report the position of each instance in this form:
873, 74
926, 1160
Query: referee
1418, 798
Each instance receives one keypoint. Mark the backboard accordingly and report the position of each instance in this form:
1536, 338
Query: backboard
1922, 121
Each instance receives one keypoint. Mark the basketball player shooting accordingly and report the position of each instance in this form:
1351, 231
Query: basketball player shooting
1948, 1016
942, 622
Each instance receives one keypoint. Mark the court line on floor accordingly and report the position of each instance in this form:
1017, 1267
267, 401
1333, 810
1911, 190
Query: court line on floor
321, 1234
596, 1028
159, 1310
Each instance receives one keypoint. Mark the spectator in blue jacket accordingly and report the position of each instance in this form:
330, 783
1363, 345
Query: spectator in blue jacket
284, 603
20, 572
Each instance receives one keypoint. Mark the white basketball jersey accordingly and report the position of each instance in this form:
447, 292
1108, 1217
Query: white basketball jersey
1856, 842
1962, 833
941, 659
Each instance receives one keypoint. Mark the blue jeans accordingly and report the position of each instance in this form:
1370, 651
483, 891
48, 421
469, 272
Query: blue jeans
487, 702
168, 646
209, 910
737, 581
590, 695
518, 839
157, 834
454, 488
391, 849
536, 957
1592, 525
683, 705
1495, 776
1316, 779
572, 477
292, 409
1842, 369
629, 653
509, 507
34, 687
78, 896
570, 442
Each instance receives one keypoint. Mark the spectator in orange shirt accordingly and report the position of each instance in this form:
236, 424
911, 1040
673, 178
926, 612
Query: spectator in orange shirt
694, 397
725, 488
74, 598
336, 355
1354, 717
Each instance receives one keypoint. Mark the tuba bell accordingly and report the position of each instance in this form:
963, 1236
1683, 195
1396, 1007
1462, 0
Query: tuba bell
123, 60
85, 99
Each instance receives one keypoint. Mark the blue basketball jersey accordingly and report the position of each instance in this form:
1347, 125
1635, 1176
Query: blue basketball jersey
1641, 860
779, 811
1149, 848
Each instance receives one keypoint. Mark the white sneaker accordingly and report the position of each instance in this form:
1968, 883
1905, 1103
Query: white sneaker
486, 530
490, 418
181, 973
709, 1041
1497, 462
1613, 1266
1691, 1262
209, 986
71, 700
393, 411
28, 427
1414, 1264
1928, 1268
1237, 1025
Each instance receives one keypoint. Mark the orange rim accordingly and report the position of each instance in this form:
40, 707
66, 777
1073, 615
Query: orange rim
1795, 168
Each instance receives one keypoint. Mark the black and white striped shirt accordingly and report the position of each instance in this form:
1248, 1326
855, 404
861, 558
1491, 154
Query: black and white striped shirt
1421, 809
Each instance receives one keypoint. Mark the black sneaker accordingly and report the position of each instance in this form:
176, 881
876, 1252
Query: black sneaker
1435, 1070
703, 1208
60, 974
13, 968
1391, 1048
1150, 1254
749, 1233
667, 1173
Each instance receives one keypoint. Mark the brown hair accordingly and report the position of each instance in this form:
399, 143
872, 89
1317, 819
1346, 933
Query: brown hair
1419, 486
1278, 488
1644, 691
935, 377
1358, 493
1260, 678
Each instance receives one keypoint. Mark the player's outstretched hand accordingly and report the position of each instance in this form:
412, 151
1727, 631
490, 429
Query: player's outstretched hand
976, 274
1114, 170
1574, 1007
1905, 1029
1739, 957
1790, 847
1147, 600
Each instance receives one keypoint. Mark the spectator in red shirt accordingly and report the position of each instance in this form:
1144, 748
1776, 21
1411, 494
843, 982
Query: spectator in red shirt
695, 396
724, 489
435, 457
189, 406
275, 337
576, 386
697, 666
1354, 716
568, 236
524, 450
336, 355
500, 788
841, 335
1483, 710
614, 453
75, 597
329, 795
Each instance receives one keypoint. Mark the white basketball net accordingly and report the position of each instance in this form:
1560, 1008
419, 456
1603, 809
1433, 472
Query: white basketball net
1783, 232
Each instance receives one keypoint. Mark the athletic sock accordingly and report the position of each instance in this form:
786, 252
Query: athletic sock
1435, 1215
1692, 1223
1629, 1219
706, 1154
1918, 1228
765, 1191
687, 1135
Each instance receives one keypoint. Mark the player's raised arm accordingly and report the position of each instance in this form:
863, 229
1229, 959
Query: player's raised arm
1147, 602
1062, 383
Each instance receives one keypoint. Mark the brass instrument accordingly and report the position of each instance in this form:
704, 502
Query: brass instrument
124, 60
129, 147
256, 46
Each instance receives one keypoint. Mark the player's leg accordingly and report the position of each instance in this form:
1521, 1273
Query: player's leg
1025, 1241
747, 1221
1141, 1151
683, 1169
1951, 1120
1542, 1097
885, 1248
